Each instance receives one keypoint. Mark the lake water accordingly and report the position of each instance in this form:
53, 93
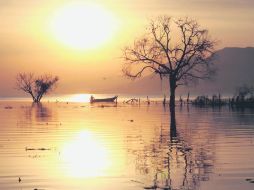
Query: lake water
60, 146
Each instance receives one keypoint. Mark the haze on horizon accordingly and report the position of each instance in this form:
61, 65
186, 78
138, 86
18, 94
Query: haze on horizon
28, 44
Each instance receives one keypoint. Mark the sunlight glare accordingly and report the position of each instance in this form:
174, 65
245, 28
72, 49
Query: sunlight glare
80, 98
85, 156
83, 25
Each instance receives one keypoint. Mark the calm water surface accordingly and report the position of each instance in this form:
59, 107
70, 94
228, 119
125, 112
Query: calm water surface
76, 146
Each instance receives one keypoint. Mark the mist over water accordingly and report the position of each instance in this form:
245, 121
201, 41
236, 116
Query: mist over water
81, 146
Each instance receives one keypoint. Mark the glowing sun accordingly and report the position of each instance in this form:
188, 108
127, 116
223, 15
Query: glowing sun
83, 26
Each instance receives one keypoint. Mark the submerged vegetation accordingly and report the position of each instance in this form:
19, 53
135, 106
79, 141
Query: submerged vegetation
244, 97
206, 101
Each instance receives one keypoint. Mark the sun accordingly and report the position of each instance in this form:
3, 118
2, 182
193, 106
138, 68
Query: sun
83, 26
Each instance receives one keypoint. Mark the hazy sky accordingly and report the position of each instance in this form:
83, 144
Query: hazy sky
27, 43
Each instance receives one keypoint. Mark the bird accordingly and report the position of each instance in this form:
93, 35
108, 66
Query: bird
19, 179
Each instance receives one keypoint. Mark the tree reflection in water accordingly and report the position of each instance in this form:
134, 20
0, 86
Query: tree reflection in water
39, 113
172, 160
42, 113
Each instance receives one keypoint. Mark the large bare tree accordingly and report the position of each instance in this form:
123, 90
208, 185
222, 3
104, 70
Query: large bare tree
179, 50
36, 86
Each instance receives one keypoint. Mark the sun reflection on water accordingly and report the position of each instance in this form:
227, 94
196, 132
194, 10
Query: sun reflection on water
85, 156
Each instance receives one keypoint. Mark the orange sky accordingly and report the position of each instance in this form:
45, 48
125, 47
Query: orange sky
27, 43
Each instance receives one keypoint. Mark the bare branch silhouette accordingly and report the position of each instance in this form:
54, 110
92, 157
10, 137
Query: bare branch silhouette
179, 50
36, 86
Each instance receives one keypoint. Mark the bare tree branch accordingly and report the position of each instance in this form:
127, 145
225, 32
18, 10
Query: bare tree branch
184, 59
35, 86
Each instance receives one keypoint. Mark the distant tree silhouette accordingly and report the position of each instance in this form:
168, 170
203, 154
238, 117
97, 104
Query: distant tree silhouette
36, 86
244, 91
179, 50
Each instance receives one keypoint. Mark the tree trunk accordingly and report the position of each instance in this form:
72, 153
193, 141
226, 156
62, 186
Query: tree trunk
173, 86
31, 93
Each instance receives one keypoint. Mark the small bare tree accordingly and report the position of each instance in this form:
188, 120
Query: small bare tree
36, 86
178, 50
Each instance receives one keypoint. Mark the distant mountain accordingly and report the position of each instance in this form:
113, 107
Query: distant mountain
235, 66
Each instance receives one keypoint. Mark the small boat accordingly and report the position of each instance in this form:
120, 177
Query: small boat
93, 100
